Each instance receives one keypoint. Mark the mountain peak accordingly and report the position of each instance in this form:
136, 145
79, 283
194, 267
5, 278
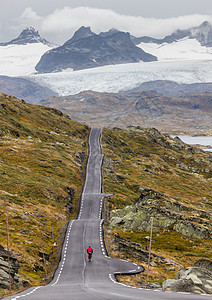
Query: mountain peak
203, 34
205, 24
81, 33
28, 36
109, 32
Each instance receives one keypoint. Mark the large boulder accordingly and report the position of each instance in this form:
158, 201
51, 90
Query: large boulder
196, 279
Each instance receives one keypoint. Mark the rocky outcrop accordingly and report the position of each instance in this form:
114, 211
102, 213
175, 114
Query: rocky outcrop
192, 230
4, 269
136, 250
196, 279
167, 213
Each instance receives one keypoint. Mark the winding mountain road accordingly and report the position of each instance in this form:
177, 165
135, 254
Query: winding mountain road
78, 279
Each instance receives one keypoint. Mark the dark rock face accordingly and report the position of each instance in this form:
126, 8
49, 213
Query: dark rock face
27, 36
82, 33
202, 33
88, 50
4, 269
122, 43
204, 263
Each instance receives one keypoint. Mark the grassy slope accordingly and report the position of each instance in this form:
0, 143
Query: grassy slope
148, 159
42, 156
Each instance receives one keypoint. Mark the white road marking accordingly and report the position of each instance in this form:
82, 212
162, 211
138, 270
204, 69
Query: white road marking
17, 297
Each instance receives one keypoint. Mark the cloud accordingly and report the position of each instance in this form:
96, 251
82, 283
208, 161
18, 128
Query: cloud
29, 15
62, 23
28, 18
1, 33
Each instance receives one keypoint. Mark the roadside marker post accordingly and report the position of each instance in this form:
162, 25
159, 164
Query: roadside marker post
150, 245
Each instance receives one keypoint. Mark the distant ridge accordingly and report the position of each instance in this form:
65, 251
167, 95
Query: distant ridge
172, 88
24, 89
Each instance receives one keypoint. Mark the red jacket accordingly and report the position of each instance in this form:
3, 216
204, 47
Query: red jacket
89, 250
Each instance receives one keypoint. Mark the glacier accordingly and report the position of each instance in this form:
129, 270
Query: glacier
116, 78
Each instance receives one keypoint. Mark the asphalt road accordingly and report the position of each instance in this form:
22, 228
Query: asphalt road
78, 279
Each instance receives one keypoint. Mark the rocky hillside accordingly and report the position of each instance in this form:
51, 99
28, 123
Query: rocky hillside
153, 175
88, 50
42, 157
187, 113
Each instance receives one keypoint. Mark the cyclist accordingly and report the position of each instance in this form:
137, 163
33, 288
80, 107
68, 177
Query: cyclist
90, 252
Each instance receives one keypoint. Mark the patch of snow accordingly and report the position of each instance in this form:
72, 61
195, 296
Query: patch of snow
181, 50
115, 78
20, 60
67, 70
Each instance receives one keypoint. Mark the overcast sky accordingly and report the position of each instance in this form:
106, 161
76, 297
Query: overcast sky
57, 20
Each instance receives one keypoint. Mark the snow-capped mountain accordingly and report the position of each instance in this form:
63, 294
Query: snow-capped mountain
19, 56
184, 61
194, 43
88, 50
202, 33
28, 36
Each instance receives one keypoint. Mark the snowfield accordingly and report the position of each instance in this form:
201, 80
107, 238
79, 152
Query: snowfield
185, 49
127, 76
20, 60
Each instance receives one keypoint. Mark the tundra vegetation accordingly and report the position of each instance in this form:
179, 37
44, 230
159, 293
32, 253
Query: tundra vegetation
152, 175
42, 159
